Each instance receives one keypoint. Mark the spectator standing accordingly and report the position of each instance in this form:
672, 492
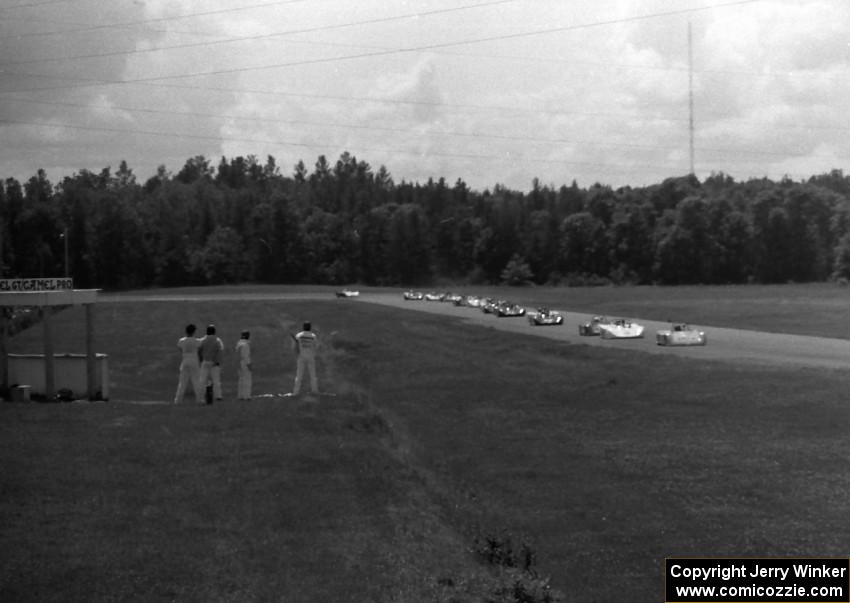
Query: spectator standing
211, 350
190, 366
243, 352
305, 343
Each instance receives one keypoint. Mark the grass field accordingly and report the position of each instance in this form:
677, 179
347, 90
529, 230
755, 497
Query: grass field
442, 435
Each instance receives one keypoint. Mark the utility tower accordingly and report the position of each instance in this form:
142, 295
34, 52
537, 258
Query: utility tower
691, 96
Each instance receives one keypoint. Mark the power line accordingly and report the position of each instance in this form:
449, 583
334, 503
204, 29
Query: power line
131, 24
265, 36
387, 51
454, 106
536, 59
374, 128
508, 156
35, 4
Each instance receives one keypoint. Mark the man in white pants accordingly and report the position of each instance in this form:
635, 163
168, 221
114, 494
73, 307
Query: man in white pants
305, 344
210, 352
190, 366
243, 351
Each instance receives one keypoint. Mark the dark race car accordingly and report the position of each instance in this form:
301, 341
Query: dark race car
593, 326
509, 309
490, 305
545, 317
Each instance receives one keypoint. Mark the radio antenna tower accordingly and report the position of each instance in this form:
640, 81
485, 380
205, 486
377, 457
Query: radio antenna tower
691, 96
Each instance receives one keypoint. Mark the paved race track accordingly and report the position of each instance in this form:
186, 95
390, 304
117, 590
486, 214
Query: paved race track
734, 345
723, 344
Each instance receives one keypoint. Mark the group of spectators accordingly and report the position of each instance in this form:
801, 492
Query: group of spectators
200, 365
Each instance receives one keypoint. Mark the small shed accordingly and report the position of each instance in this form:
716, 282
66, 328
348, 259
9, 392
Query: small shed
43, 293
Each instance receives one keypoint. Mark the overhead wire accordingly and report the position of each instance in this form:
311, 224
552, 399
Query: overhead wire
379, 128
136, 23
257, 37
508, 156
164, 80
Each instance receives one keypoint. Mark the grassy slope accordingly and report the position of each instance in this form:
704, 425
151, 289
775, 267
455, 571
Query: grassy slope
605, 460
612, 461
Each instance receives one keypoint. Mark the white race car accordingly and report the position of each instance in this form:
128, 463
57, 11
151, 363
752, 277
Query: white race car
680, 334
347, 293
545, 317
413, 295
621, 329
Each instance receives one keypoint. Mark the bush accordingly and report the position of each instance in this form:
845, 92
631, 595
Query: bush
518, 579
516, 272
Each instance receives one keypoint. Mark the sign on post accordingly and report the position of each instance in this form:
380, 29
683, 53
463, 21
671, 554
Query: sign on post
8, 285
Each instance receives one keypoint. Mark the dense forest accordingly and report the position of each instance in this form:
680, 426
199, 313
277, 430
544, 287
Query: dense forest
245, 221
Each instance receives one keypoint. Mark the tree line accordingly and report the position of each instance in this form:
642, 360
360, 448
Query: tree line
242, 220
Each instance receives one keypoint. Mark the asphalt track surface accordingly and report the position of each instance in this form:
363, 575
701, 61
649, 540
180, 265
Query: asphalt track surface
730, 345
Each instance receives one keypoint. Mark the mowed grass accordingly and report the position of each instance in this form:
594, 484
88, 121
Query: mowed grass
604, 460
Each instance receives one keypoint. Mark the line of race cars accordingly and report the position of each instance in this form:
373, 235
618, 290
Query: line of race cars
679, 334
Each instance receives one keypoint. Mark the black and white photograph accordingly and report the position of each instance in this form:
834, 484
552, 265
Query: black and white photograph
452, 301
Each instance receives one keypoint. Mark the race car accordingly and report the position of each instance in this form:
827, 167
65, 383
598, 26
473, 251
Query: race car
680, 334
592, 327
473, 301
490, 305
621, 329
413, 295
466, 300
347, 293
453, 297
432, 296
545, 317
509, 309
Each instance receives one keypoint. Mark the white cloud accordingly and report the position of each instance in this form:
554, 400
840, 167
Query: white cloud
596, 91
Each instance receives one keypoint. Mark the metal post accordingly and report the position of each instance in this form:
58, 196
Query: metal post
65, 236
91, 358
4, 356
49, 380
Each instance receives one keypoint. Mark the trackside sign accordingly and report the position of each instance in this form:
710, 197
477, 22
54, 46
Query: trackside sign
36, 284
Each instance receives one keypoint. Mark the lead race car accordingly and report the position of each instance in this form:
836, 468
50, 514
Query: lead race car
621, 329
413, 295
347, 293
545, 317
680, 334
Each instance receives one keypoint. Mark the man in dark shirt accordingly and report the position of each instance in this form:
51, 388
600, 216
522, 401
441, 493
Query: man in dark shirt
210, 353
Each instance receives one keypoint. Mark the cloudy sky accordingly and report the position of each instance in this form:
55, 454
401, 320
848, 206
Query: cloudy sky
489, 91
